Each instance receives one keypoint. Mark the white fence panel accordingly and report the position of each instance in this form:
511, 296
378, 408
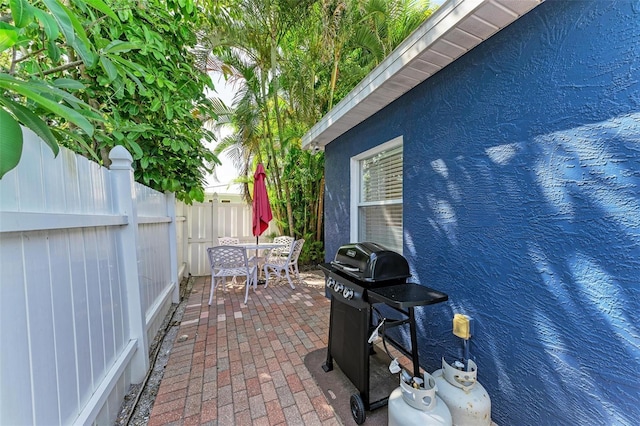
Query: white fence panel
155, 274
199, 236
233, 220
181, 240
15, 371
70, 343
150, 203
154, 268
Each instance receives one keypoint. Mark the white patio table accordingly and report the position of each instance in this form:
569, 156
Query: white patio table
257, 247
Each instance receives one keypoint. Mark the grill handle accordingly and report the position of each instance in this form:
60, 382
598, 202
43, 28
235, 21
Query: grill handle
350, 268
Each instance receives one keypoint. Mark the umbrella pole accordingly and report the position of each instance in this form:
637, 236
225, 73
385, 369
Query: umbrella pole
261, 281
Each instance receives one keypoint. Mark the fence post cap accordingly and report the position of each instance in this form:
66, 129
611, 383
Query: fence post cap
120, 158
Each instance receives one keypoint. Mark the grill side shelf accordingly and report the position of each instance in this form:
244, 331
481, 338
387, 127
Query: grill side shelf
406, 295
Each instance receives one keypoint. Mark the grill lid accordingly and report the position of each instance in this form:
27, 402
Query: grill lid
371, 262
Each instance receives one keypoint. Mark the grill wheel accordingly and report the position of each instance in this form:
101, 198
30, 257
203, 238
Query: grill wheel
357, 408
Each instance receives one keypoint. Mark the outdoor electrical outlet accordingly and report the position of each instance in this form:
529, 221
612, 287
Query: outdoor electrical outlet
462, 326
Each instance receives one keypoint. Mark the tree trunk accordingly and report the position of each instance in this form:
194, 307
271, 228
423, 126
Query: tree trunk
280, 129
274, 166
334, 76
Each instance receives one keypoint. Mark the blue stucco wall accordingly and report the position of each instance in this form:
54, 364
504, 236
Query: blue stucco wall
522, 202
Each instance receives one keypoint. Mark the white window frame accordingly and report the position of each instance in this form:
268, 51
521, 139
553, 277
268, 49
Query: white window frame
355, 183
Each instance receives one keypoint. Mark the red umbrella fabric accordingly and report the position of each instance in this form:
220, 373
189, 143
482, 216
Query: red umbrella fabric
261, 208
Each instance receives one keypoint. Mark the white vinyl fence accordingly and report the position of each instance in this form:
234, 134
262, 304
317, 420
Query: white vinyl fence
88, 271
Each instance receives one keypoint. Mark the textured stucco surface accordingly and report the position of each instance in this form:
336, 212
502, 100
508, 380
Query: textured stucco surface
522, 202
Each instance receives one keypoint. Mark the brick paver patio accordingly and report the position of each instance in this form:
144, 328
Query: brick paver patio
236, 364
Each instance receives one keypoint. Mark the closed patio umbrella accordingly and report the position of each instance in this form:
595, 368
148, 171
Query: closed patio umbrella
262, 214
261, 208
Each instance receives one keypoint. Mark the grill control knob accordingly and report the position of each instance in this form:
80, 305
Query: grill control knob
348, 293
331, 282
338, 287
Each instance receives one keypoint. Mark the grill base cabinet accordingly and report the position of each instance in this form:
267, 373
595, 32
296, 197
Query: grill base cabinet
348, 328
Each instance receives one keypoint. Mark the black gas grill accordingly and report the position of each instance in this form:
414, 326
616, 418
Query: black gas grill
360, 276
360, 267
372, 264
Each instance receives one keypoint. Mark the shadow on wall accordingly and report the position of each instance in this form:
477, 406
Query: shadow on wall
550, 233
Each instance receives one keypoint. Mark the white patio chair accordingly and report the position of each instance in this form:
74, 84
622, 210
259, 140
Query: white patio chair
228, 241
286, 242
293, 262
287, 265
230, 261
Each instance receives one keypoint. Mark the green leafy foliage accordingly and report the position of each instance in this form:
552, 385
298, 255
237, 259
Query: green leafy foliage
10, 130
94, 74
28, 96
152, 91
312, 252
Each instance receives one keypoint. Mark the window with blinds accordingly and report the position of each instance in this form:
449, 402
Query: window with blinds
380, 199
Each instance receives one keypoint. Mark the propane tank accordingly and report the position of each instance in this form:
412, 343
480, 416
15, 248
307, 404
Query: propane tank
416, 403
468, 401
